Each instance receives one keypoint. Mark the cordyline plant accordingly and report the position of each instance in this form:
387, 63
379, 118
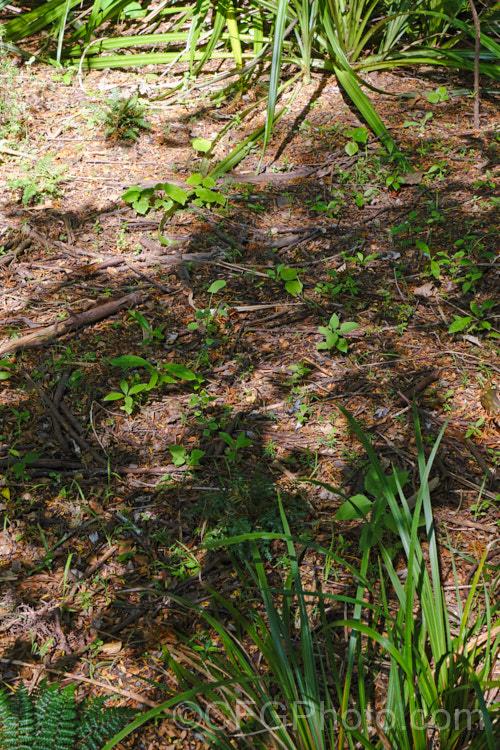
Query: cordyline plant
347, 37
280, 679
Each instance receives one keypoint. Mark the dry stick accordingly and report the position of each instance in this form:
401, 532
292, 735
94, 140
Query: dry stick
71, 418
69, 429
61, 387
90, 571
161, 287
77, 678
75, 321
477, 44
73, 251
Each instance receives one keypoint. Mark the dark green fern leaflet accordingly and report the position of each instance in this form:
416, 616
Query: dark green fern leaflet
51, 718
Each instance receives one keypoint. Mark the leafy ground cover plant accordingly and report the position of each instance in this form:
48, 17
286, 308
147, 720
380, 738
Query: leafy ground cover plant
282, 680
38, 182
125, 119
247, 505
52, 719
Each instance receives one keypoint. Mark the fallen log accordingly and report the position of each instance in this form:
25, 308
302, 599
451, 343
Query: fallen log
40, 336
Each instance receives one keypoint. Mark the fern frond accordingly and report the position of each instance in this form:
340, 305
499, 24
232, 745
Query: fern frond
52, 719
55, 714
17, 720
100, 722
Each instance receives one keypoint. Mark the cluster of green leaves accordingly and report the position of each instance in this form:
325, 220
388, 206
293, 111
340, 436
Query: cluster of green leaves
51, 718
347, 38
171, 198
171, 372
247, 505
290, 276
125, 119
334, 332
298, 686
38, 181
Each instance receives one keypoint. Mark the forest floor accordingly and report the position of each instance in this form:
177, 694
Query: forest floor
104, 509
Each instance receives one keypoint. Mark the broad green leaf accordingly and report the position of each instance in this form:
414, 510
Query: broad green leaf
195, 456
153, 380
348, 326
131, 360
423, 247
294, 287
195, 179
342, 345
176, 193
179, 371
358, 506
114, 396
201, 144
435, 269
288, 274
334, 321
138, 388
209, 196
216, 286
179, 454
460, 323
360, 135
142, 206
351, 148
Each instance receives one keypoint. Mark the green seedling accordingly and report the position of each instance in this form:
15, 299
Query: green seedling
21, 418
234, 445
208, 316
293, 285
332, 208
19, 467
474, 430
333, 333
303, 414
419, 124
439, 95
299, 372
129, 393
180, 456
148, 332
169, 373
39, 181
170, 198
477, 321
359, 258
357, 136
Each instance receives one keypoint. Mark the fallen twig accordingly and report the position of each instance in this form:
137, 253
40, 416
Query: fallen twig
76, 320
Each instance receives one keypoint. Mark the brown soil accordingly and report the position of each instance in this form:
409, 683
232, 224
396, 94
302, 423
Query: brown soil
92, 528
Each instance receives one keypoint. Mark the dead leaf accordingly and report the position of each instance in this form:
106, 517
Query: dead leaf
411, 178
472, 339
426, 290
111, 648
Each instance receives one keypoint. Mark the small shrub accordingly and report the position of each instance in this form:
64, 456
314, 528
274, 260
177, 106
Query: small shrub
125, 119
